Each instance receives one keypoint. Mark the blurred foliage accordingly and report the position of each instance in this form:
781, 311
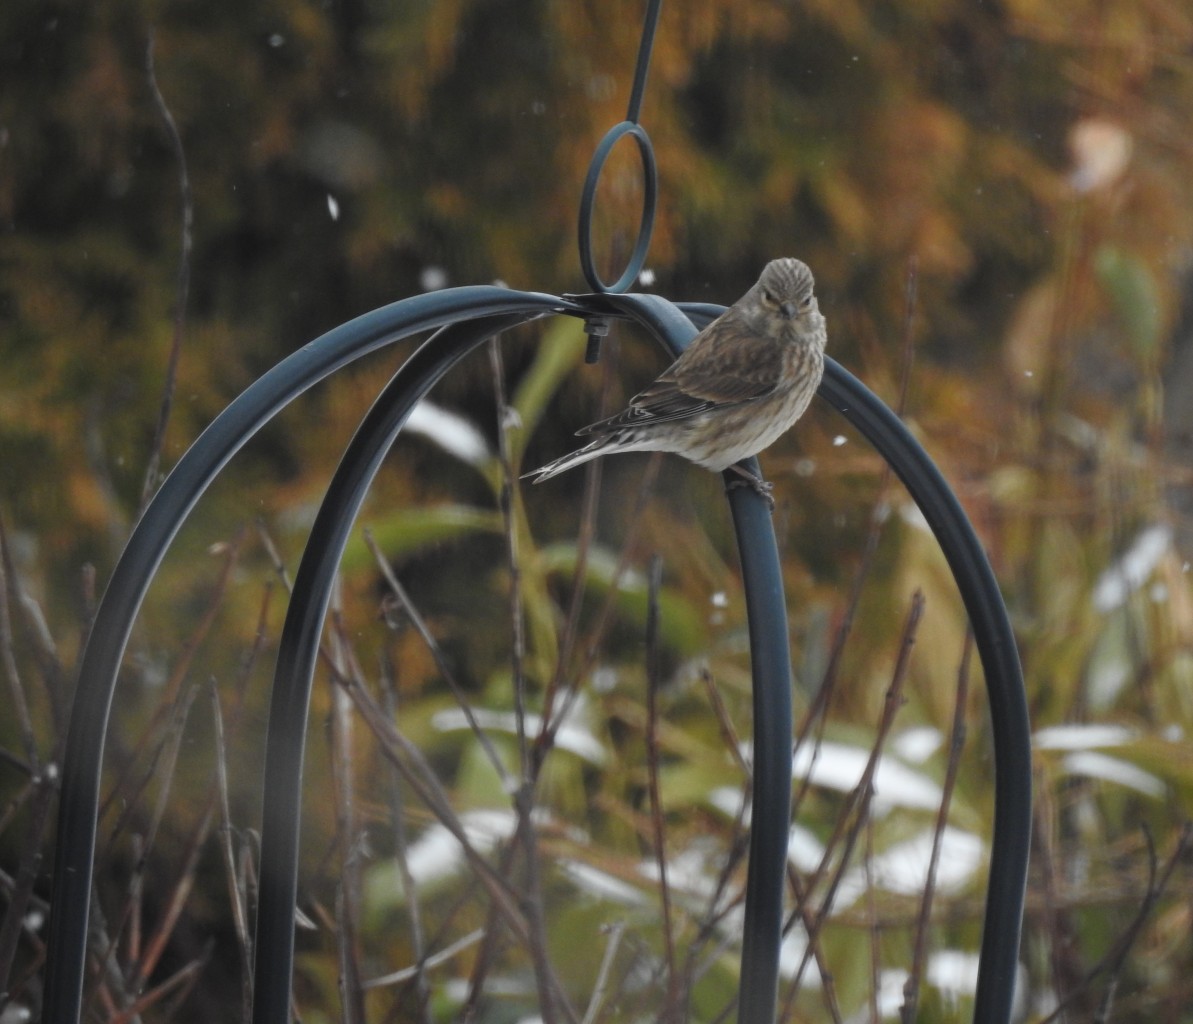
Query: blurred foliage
1027, 166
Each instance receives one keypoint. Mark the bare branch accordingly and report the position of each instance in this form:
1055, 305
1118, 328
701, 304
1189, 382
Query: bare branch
956, 745
183, 282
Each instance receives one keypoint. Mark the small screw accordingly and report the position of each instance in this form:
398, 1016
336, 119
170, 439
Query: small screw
596, 327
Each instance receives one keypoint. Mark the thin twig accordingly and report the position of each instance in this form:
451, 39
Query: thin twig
1054, 924
178, 896
911, 988
1115, 959
591, 644
180, 982
418, 973
161, 769
347, 903
124, 790
421, 777
593, 475
412, 764
436, 651
426, 963
807, 917
654, 682
20, 894
260, 636
524, 796
857, 806
817, 713
37, 632
182, 285
347, 959
275, 557
599, 989
418, 773
513, 560
111, 989
163, 766
875, 929
16, 690
910, 295
136, 893
718, 906
878, 515
725, 723
236, 894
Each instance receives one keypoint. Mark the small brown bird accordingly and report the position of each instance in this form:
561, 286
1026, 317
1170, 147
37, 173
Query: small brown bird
744, 379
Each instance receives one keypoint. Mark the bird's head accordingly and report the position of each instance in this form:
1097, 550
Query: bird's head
783, 297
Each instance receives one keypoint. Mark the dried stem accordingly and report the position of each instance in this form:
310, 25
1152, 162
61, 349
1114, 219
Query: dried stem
1113, 962
426, 963
421, 777
236, 893
20, 890
909, 310
418, 973
178, 897
182, 284
725, 723
593, 473
178, 984
875, 928
857, 806
161, 769
601, 987
36, 632
125, 790
911, 988
347, 903
671, 1007
590, 645
513, 560
532, 900
428, 638
16, 690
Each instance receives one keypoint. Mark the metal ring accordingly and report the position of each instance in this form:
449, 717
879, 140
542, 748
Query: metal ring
651, 187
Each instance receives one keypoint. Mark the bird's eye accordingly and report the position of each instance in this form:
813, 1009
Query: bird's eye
806, 303
768, 296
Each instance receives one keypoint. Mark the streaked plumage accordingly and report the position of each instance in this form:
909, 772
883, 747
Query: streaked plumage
743, 381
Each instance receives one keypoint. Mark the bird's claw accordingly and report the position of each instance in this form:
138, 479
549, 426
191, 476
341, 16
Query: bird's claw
763, 488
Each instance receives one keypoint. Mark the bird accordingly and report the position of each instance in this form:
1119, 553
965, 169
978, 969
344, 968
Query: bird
741, 383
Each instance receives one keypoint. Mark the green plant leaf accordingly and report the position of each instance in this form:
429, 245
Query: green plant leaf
1132, 290
410, 529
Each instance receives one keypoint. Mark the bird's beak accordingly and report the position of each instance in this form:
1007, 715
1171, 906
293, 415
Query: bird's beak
788, 309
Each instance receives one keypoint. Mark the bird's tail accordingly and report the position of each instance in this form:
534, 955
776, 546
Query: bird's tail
565, 462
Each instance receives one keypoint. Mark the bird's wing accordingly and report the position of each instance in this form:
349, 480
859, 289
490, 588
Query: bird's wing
726, 365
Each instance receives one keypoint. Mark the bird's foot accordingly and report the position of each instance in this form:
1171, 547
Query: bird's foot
763, 488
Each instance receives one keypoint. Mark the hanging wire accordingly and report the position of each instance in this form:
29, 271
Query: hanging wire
650, 177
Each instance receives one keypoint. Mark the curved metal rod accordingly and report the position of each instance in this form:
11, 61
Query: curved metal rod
650, 196
83, 760
1010, 725
298, 650
1011, 728
770, 668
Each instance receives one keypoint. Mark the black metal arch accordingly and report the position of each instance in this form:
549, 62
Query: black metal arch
467, 317
161, 520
